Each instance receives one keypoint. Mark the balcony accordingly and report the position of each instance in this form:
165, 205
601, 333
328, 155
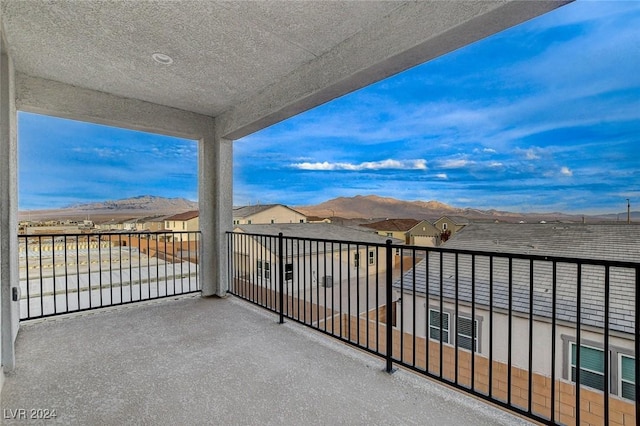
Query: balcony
192, 360
511, 329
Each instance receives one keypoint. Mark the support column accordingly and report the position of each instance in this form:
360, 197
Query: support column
216, 210
9, 280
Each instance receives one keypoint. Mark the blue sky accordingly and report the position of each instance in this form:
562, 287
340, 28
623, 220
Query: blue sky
542, 117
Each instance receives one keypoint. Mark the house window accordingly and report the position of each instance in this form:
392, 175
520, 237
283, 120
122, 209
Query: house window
627, 376
465, 333
184, 225
267, 270
249, 222
591, 366
435, 321
273, 221
301, 220
444, 226
356, 259
389, 234
259, 267
288, 272
372, 257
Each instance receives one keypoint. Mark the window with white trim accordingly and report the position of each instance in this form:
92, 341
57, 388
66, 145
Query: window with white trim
356, 259
465, 333
592, 364
372, 257
627, 377
259, 267
435, 321
288, 272
267, 270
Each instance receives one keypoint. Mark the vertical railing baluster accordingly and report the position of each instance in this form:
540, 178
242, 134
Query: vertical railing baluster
510, 332
637, 343
281, 278
389, 295
491, 327
530, 360
578, 338
606, 345
554, 289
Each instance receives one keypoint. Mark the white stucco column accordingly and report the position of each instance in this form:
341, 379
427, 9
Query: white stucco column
9, 310
216, 210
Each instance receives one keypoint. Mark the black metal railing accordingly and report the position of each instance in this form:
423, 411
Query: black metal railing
550, 338
67, 273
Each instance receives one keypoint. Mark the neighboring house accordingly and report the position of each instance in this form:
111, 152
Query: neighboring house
419, 308
424, 234
394, 228
308, 264
130, 225
450, 224
318, 219
187, 221
265, 214
114, 225
153, 223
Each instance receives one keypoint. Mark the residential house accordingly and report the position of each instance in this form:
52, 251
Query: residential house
449, 225
424, 234
394, 228
308, 264
187, 221
318, 219
507, 291
266, 213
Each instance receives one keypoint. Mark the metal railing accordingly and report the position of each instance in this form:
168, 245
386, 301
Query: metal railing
67, 273
552, 338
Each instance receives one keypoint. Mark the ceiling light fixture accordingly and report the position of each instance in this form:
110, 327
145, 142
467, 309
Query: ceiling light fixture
161, 58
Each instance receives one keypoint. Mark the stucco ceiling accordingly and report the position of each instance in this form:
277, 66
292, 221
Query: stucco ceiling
223, 51
250, 63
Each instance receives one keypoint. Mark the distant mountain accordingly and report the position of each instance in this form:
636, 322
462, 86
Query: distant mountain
375, 207
148, 203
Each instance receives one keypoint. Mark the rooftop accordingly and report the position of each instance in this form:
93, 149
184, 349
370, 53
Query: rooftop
184, 216
608, 242
200, 360
604, 242
401, 225
245, 211
326, 231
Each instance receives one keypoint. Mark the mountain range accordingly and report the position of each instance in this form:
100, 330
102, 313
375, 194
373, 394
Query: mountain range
375, 207
369, 207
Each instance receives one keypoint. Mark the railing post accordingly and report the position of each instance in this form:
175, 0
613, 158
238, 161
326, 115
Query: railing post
281, 278
389, 295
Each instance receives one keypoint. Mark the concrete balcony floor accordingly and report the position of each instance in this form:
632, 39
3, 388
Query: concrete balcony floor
193, 360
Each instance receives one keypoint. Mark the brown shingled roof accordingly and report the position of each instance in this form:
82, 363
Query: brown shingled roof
184, 216
392, 225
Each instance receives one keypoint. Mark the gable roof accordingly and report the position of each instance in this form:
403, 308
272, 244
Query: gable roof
458, 220
246, 211
184, 216
304, 237
605, 242
318, 231
393, 225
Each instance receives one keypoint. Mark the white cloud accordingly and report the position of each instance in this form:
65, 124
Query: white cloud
489, 150
442, 176
565, 171
495, 164
389, 164
455, 163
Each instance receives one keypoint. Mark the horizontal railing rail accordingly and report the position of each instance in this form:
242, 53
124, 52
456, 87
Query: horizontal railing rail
64, 273
552, 338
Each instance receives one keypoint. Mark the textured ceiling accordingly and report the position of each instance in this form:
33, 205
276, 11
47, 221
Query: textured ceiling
223, 52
